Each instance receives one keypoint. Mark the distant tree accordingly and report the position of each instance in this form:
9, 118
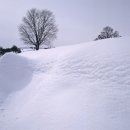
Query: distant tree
38, 28
108, 32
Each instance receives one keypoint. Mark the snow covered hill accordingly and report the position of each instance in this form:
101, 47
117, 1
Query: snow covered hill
78, 87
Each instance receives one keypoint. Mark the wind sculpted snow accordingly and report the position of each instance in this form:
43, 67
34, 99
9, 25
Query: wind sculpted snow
79, 87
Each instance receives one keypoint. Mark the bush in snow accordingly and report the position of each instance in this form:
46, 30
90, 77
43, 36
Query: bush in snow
1, 51
14, 49
107, 32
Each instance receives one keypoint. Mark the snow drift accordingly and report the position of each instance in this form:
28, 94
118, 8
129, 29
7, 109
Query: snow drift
15, 73
79, 87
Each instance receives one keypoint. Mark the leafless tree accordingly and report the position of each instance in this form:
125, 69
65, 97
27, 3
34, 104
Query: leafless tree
38, 28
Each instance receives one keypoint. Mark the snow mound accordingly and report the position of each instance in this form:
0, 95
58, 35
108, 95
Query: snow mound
15, 73
78, 87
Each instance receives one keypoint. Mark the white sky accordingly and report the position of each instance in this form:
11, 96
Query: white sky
78, 20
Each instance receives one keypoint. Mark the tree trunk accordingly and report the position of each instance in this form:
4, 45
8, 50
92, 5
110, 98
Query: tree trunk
37, 47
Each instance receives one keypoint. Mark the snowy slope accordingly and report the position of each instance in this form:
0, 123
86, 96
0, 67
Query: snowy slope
79, 87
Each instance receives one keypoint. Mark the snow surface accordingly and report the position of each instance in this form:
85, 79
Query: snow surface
78, 87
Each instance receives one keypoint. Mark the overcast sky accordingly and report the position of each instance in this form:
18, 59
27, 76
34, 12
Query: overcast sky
78, 20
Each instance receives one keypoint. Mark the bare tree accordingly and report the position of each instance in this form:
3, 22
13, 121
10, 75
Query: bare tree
38, 28
108, 32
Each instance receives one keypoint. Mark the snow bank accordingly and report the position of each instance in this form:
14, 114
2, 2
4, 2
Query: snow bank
79, 87
15, 73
